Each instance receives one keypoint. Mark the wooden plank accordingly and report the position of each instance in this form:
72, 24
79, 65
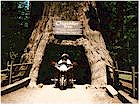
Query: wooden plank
7, 64
127, 97
120, 71
129, 81
110, 66
124, 72
21, 64
14, 84
10, 75
5, 70
127, 72
20, 70
116, 63
67, 23
57, 32
111, 90
67, 31
70, 30
67, 28
133, 80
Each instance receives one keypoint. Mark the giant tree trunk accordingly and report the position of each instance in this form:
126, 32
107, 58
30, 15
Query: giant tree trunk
92, 40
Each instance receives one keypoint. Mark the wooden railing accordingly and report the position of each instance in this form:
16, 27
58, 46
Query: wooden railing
116, 78
9, 70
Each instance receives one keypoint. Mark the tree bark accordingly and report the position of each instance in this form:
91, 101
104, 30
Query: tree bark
92, 40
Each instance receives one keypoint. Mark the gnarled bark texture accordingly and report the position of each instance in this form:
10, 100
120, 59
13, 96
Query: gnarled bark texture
92, 40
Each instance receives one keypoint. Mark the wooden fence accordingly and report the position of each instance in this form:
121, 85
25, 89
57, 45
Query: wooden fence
10, 70
115, 72
116, 78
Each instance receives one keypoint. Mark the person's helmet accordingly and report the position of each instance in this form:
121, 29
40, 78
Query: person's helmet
65, 55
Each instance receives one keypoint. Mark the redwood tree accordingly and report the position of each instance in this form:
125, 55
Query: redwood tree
92, 40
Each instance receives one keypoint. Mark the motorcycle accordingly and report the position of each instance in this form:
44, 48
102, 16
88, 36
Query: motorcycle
64, 76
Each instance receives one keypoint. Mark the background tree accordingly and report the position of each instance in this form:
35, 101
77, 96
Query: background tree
15, 30
119, 26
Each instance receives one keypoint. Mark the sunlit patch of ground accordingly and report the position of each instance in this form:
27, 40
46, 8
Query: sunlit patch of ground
51, 95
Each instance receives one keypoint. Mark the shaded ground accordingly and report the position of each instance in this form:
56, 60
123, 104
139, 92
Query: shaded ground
50, 95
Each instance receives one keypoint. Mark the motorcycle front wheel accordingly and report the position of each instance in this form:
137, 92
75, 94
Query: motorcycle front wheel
63, 83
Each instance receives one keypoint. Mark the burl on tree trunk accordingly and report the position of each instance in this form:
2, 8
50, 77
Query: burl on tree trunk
92, 40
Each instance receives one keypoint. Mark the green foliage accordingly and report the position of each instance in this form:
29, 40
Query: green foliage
122, 31
15, 19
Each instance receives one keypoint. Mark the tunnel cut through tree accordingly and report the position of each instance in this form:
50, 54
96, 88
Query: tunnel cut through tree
82, 72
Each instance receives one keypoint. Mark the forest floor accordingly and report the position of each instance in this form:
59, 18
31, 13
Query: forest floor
50, 95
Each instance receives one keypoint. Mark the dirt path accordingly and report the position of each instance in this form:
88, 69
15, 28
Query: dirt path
50, 95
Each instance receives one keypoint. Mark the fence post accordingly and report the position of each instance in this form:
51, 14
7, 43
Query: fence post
116, 64
133, 81
7, 64
116, 76
10, 76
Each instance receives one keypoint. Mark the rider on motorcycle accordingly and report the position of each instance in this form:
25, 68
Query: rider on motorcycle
64, 64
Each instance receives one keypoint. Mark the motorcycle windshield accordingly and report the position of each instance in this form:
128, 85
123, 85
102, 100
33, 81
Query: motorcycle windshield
63, 67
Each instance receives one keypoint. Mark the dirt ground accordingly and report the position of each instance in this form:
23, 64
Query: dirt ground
50, 95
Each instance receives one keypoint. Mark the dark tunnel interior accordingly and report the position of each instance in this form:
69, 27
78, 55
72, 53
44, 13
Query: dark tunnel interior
53, 52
